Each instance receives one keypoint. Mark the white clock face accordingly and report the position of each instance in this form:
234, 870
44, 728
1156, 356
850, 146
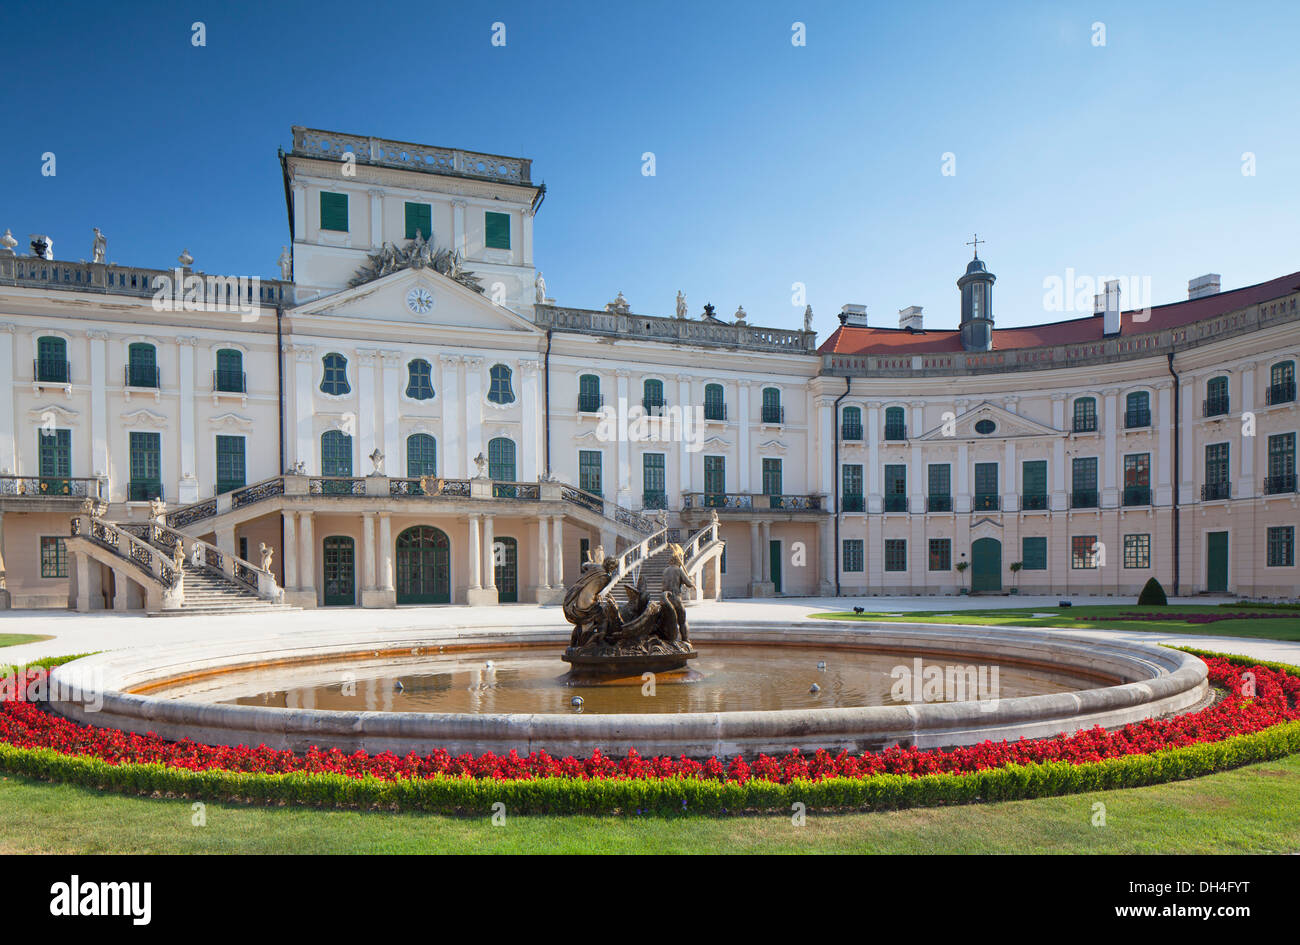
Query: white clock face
419, 300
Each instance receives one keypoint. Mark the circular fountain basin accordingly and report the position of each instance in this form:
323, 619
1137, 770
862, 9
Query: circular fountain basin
281, 690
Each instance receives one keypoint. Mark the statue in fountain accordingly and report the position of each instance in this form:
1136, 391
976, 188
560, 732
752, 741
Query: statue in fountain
642, 635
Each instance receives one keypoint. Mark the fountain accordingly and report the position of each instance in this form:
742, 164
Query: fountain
642, 636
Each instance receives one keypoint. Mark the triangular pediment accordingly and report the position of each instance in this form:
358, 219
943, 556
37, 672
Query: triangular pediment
417, 296
1006, 425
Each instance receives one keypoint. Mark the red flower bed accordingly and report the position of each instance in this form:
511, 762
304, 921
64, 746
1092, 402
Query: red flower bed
1275, 699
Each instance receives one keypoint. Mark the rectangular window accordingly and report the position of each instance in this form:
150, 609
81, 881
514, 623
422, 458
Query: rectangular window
939, 496
1033, 477
496, 230
654, 493
1217, 485
54, 461
940, 554
715, 479
1083, 482
986, 486
1085, 415
1137, 551
54, 558
333, 211
895, 554
230, 463
1033, 554
771, 476
895, 487
1281, 464
1137, 479
146, 467
853, 557
419, 217
1281, 546
589, 463
851, 493
1083, 552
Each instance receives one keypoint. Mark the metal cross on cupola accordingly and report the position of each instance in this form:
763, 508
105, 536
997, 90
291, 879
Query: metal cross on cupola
976, 243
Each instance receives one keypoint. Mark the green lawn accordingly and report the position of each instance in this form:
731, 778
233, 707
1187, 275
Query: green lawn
1250, 810
13, 639
1263, 623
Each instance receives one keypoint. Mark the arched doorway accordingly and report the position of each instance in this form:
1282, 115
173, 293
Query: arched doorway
505, 562
339, 564
423, 566
986, 565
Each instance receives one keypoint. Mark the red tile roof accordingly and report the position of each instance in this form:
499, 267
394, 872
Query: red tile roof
848, 339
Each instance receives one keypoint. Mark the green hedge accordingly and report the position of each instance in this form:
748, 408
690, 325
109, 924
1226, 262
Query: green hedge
671, 796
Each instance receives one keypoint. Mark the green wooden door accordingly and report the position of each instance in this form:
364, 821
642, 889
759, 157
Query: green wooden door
340, 571
774, 559
986, 565
423, 566
505, 558
1216, 562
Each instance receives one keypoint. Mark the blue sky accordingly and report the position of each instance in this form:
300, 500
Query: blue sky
775, 164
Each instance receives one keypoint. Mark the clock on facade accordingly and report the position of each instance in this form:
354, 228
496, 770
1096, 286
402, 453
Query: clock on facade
419, 300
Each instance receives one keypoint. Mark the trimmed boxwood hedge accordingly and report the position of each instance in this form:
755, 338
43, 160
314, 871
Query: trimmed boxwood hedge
669, 796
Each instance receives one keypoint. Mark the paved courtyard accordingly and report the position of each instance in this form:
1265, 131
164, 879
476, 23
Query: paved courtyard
78, 633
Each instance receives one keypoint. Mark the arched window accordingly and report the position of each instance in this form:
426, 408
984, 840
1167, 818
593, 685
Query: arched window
895, 424
715, 404
335, 454
141, 365
501, 459
1137, 410
419, 379
851, 423
772, 412
1216, 396
499, 391
1085, 415
589, 394
229, 375
334, 380
421, 456
652, 396
52, 360
1281, 383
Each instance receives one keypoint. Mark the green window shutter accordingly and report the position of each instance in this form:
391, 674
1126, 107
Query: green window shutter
419, 216
1033, 554
715, 475
1034, 477
230, 463
421, 456
333, 211
771, 476
496, 230
986, 478
589, 463
501, 459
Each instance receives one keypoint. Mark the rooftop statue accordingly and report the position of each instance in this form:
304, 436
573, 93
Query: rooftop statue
681, 304
42, 247
539, 285
807, 318
99, 247
619, 306
185, 259
8, 242
417, 254
285, 263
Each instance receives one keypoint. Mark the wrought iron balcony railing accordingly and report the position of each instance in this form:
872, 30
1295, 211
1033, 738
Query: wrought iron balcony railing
139, 490
52, 486
590, 403
230, 382
895, 503
1087, 424
1215, 406
1085, 499
1134, 419
985, 502
772, 414
851, 431
895, 431
939, 503
140, 375
654, 499
1276, 485
851, 503
1283, 393
713, 410
1137, 495
1034, 501
1216, 490
51, 371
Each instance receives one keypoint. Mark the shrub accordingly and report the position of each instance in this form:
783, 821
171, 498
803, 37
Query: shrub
1153, 595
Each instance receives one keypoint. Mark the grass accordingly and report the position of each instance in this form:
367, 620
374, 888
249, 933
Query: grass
1247, 810
13, 639
1260, 625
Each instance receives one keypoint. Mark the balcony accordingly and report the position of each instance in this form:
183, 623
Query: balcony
653, 407
1216, 490
715, 411
985, 502
1137, 495
895, 503
654, 499
895, 431
1283, 393
747, 502
51, 371
1085, 499
143, 490
851, 431
1136, 419
140, 375
1278, 485
224, 382
851, 503
1085, 425
938, 503
51, 487
772, 414
590, 403
1034, 501
1215, 406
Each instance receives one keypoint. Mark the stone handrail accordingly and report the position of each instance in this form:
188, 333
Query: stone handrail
199, 553
80, 487
635, 556
112, 279
697, 542
813, 502
685, 330
331, 146
135, 550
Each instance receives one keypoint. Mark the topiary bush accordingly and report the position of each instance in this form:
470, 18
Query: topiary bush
1153, 595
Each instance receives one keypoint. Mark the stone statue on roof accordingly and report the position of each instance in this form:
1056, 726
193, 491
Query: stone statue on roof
681, 304
99, 247
807, 318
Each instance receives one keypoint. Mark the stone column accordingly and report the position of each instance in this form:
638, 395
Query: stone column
368, 552
303, 356
368, 396
1164, 484
458, 226
386, 558
226, 540
826, 556
489, 554
532, 425
8, 454
1059, 502
4, 591
450, 463
1010, 478
1246, 486
83, 565
475, 555
683, 454
765, 552
1109, 492
377, 219
742, 428
188, 489
543, 557
557, 554
289, 553
99, 449
755, 560
307, 558
961, 500
121, 591
473, 411
623, 493
874, 497
826, 421
395, 464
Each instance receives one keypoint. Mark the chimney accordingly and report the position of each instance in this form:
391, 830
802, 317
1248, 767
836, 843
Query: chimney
910, 318
853, 315
1201, 286
1110, 313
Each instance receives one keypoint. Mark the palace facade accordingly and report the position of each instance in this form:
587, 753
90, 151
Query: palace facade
406, 417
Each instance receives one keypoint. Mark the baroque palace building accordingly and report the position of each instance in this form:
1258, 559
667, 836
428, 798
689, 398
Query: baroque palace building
405, 417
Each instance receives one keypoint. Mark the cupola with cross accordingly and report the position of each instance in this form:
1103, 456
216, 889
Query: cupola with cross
976, 303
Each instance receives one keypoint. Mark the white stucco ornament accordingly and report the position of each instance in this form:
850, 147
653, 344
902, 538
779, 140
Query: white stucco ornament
420, 300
